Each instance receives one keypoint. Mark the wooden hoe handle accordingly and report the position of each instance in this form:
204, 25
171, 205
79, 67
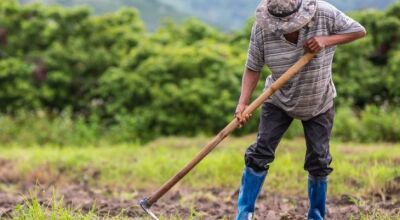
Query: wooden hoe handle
230, 128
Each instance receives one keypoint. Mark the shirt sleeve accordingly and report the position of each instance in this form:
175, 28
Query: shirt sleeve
343, 24
255, 56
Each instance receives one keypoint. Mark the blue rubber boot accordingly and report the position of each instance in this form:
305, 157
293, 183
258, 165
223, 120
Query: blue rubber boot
252, 182
317, 188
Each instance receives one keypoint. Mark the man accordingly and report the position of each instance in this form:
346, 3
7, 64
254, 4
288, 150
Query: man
284, 30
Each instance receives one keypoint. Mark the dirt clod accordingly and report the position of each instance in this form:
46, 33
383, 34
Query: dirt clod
8, 173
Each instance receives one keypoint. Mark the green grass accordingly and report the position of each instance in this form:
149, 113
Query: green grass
359, 169
33, 210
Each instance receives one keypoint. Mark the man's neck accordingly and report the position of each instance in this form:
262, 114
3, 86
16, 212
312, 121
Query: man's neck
292, 37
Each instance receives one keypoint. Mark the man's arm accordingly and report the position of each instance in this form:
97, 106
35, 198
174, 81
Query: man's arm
249, 83
315, 44
342, 29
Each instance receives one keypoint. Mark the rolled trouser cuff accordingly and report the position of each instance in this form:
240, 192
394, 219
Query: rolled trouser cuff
317, 178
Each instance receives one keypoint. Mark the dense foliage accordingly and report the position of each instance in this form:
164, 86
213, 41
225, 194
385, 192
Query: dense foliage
105, 75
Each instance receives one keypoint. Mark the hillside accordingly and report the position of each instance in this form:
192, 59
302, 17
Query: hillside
232, 14
152, 11
227, 15
224, 14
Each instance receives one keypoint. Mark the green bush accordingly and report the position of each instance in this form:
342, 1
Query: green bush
347, 125
16, 83
370, 125
106, 78
65, 129
380, 124
38, 128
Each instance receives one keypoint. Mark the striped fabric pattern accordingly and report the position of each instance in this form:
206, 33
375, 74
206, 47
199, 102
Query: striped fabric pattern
311, 92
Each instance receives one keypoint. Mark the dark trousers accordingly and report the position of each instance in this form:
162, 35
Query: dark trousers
273, 124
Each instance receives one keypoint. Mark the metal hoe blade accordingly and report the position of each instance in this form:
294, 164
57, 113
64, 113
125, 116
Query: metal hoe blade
146, 207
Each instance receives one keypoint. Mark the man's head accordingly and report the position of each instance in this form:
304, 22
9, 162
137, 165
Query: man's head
285, 16
283, 8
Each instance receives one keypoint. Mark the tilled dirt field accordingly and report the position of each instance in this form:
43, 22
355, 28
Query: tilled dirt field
201, 204
213, 203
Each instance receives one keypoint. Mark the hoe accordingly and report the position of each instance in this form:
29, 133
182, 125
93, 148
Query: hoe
146, 203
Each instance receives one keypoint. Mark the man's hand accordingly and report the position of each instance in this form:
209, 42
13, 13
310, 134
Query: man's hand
315, 44
239, 114
249, 83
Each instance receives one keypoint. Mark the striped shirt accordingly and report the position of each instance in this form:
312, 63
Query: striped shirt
311, 92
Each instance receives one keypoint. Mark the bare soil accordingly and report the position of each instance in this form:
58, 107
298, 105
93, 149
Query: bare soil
213, 203
204, 204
